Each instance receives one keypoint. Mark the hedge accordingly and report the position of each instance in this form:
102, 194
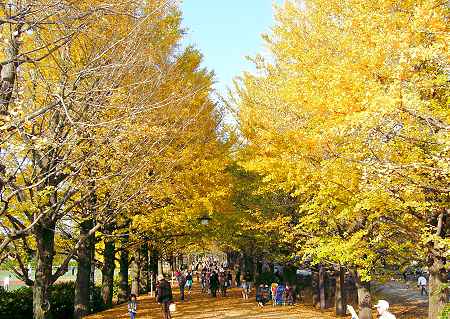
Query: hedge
18, 304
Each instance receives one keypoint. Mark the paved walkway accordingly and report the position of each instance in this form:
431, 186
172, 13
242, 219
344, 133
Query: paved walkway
406, 304
205, 307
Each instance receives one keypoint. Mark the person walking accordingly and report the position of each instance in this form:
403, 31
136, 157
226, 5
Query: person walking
248, 280
189, 282
245, 289
422, 284
132, 306
383, 310
222, 283
6, 281
214, 283
181, 279
238, 278
229, 279
164, 296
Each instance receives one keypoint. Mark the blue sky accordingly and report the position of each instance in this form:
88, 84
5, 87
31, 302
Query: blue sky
226, 31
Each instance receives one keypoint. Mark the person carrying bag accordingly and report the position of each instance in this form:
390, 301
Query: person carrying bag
164, 296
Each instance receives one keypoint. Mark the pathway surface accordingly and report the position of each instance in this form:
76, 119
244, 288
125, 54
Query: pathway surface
204, 307
406, 304
405, 298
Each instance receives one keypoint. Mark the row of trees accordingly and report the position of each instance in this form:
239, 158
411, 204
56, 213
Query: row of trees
348, 121
109, 140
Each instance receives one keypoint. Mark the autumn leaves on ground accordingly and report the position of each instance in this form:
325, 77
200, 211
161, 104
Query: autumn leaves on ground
117, 156
202, 306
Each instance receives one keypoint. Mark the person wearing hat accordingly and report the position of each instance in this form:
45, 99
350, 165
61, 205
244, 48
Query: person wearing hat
382, 309
164, 295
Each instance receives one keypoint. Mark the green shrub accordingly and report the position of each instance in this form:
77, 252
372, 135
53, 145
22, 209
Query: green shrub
18, 304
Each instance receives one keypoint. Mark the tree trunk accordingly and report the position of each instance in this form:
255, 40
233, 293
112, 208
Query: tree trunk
83, 280
364, 299
160, 267
154, 264
135, 275
438, 288
339, 296
322, 288
45, 240
108, 272
144, 273
315, 289
8, 74
123, 272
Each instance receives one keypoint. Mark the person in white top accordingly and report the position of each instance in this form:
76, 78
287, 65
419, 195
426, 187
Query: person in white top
6, 283
422, 284
382, 308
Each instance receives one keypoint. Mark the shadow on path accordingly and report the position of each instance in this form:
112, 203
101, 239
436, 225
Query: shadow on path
202, 307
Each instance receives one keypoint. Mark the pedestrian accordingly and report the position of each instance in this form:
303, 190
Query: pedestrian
382, 309
259, 295
164, 296
248, 280
213, 283
245, 289
238, 278
229, 279
273, 290
222, 283
203, 281
181, 279
6, 282
289, 294
189, 282
132, 306
422, 284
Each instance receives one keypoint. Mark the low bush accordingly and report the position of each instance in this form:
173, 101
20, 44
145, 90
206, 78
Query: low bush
18, 304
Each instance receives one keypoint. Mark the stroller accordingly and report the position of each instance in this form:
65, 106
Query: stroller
279, 295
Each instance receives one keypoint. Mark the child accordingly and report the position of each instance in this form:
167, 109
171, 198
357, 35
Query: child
274, 293
245, 288
132, 306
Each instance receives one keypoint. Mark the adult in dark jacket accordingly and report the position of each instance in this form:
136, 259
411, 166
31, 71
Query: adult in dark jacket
164, 296
213, 283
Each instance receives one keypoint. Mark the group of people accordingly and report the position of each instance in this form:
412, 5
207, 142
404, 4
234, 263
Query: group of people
280, 294
185, 282
215, 280
164, 297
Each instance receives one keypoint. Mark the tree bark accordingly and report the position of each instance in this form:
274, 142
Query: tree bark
315, 289
322, 288
45, 240
364, 298
438, 288
339, 293
160, 266
8, 74
154, 263
144, 272
135, 273
83, 280
108, 271
123, 271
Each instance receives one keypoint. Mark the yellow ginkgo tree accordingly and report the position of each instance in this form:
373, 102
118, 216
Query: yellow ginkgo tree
350, 116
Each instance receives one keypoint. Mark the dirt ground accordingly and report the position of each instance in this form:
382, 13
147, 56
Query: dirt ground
202, 307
